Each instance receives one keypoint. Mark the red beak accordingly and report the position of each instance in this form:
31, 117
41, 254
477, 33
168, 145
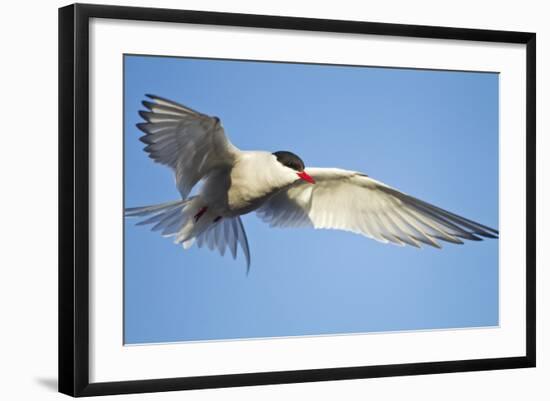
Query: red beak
306, 177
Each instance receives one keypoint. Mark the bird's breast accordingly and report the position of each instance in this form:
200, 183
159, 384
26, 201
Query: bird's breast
250, 186
245, 196
235, 192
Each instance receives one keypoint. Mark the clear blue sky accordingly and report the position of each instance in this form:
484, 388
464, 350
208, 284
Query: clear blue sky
432, 134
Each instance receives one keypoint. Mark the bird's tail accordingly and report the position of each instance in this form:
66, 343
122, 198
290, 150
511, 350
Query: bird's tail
189, 222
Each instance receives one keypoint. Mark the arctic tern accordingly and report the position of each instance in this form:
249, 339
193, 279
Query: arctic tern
278, 187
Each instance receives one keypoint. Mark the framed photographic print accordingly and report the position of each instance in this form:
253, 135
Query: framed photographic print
249, 199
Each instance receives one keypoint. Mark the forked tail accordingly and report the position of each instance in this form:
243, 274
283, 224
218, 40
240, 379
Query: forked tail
179, 219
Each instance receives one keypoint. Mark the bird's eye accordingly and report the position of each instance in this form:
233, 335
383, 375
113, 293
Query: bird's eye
293, 166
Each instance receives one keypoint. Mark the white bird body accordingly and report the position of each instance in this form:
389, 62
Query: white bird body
253, 177
276, 186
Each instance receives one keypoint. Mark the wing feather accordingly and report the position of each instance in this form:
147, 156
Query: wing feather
351, 201
192, 144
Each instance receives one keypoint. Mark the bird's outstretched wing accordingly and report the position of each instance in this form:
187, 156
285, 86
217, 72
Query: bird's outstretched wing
351, 201
191, 143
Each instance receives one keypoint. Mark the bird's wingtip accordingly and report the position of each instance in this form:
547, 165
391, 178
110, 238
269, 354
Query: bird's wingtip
149, 105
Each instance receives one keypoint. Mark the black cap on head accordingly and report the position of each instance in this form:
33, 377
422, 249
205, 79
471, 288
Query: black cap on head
290, 160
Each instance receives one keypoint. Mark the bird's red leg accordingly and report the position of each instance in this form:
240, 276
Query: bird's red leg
201, 211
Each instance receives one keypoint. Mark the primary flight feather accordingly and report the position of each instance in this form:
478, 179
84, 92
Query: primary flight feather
277, 187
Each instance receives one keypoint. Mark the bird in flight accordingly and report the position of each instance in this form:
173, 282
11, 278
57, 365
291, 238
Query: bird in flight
276, 186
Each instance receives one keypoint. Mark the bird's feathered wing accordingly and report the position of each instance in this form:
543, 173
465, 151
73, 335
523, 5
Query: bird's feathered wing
351, 201
191, 143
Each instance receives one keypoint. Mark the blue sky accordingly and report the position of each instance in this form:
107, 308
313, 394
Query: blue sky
432, 134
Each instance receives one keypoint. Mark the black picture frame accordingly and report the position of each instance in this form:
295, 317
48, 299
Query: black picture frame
74, 198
